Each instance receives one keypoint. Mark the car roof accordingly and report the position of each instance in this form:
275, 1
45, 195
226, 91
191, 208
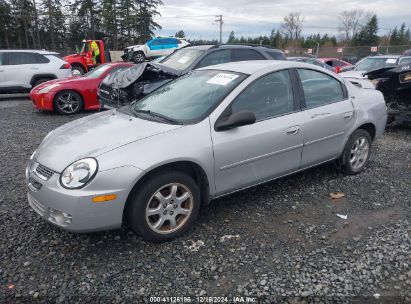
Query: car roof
254, 66
43, 52
385, 56
199, 47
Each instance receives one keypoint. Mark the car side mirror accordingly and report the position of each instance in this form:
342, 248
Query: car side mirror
235, 120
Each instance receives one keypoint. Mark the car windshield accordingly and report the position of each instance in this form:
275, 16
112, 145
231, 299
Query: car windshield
181, 59
98, 71
188, 98
374, 63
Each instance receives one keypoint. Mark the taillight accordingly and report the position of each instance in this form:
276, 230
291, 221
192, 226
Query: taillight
66, 66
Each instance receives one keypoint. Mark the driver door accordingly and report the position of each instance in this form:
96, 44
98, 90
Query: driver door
270, 147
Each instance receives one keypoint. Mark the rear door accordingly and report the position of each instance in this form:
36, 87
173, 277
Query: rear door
270, 147
18, 69
329, 115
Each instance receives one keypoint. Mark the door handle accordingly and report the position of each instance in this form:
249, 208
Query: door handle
348, 115
293, 130
319, 114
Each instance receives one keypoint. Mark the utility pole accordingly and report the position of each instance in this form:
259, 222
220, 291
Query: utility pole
220, 20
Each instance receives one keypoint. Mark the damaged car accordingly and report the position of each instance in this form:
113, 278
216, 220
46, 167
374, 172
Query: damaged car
395, 84
136, 82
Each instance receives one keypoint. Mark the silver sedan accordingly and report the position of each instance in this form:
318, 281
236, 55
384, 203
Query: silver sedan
209, 133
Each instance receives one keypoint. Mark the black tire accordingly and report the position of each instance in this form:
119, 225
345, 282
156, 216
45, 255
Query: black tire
77, 70
68, 102
143, 196
138, 57
346, 160
40, 81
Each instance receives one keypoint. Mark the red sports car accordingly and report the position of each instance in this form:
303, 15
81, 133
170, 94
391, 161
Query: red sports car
335, 63
73, 94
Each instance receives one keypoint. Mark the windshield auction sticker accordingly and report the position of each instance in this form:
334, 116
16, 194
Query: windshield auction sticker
183, 59
222, 79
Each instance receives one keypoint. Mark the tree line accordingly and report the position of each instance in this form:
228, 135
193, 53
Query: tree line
356, 28
58, 25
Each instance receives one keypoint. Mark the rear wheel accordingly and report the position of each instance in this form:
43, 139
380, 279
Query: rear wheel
164, 207
68, 102
77, 70
138, 57
356, 152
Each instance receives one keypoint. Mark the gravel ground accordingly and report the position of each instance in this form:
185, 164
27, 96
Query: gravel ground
279, 242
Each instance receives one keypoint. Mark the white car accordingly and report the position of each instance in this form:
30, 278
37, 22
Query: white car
154, 48
22, 70
355, 74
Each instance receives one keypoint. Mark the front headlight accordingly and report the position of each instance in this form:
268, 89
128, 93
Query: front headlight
79, 173
48, 88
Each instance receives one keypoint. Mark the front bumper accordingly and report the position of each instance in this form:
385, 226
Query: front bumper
74, 210
42, 101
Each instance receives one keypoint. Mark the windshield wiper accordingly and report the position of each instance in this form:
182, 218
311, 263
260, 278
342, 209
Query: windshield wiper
155, 114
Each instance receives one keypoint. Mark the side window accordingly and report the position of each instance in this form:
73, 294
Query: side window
1, 58
41, 58
319, 88
216, 57
405, 60
17, 58
155, 42
268, 96
245, 55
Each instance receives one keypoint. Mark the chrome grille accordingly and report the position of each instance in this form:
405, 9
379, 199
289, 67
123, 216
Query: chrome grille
43, 171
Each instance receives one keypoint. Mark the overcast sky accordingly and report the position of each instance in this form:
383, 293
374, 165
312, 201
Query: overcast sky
256, 17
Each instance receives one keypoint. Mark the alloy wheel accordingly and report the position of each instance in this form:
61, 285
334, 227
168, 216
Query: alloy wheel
169, 208
68, 103
359, 153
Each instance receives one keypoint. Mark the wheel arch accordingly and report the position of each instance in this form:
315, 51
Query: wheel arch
81, 65
68, 89
36, 77
370, 128
189, 167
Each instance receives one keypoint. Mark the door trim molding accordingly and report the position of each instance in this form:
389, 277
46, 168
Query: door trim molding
250, 160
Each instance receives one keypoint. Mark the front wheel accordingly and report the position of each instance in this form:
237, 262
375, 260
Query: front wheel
138, 57
68, 103
356, 152
164, 207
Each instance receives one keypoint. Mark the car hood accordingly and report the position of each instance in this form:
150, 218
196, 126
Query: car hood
353, 74
135, 46
63, 81
94, 135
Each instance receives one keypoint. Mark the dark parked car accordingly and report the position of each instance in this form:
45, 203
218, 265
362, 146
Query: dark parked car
395, 84
313, 61
134, 83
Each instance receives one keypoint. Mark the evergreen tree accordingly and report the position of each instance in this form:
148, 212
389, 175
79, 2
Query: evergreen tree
368, 34
231, 37
180, 34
